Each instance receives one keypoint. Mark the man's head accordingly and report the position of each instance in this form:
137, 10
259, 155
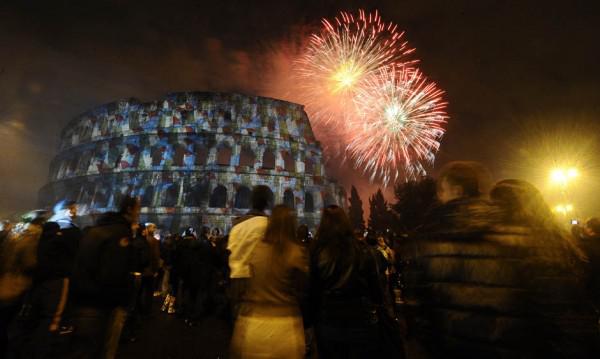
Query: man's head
261, 197
150, 229
462, 180
5, 226
130, 208
591, 229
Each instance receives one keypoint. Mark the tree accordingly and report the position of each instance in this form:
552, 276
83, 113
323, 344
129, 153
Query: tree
380, 218
413, 200
356, 211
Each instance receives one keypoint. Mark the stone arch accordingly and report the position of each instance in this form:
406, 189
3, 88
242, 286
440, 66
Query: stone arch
224, 155
309, 166
328, 199
178, 155
171, 196
288, 161
288, 199
197, 194
147, 198
247, 157
218, 198
309, 202
268, 161
201, 154
243, 198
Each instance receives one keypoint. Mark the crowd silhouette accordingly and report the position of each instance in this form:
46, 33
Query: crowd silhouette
489, 273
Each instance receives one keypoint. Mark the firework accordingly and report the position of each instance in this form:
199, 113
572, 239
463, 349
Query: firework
340, 57
397, 126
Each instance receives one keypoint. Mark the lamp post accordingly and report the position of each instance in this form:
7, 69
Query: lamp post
564, 178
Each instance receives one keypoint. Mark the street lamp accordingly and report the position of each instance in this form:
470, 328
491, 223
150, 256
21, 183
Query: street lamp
562, 176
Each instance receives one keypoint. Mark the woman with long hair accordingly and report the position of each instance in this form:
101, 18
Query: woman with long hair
554, 316
345, 290
269, 324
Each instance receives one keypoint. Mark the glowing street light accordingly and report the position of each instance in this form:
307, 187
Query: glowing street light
562, 176
563, 209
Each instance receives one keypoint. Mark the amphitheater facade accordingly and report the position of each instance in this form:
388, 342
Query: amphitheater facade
192, 158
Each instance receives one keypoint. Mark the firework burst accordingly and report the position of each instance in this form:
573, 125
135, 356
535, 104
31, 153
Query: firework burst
340, 57
397, 125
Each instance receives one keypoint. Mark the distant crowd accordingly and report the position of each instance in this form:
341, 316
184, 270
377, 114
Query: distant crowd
489, 274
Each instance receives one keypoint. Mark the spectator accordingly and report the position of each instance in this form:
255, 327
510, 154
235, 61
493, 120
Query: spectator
345, 291
245, 234
102, 282
269, 324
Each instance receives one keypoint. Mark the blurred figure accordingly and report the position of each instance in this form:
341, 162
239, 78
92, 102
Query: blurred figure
16, 272
197, 274
345, 291
588, 236
269, 324
102, 282
244, 236
151, 268
168, 252
303, 234
47, 299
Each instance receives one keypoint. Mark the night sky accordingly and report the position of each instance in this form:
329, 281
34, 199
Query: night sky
522, 78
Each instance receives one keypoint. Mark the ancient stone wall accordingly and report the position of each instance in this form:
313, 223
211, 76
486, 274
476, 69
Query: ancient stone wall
192, 158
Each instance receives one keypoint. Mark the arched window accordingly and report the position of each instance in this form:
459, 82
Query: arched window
157, 155
197, 195
218, 198
288, 199
224, 156
147, 197
309, 202
242, 198
288, 161
309, 166
101, 200
268, 161
201, 155
328, 200
246, 157
179, 152
171, 196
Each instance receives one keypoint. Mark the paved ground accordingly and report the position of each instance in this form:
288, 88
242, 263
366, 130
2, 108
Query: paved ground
164, 336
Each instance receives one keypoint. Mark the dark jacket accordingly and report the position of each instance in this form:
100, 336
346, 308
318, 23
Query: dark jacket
56, 251
344, 289
102, 274
479, 287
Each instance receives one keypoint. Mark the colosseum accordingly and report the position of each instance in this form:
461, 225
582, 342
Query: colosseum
192, 158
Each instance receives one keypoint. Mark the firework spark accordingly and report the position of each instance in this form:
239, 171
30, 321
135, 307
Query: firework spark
340, 57
397, 126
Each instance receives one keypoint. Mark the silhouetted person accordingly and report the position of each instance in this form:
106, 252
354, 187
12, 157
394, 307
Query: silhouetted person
102, 282
345, 291
589, 237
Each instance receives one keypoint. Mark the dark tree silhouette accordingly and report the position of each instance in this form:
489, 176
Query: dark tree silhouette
413, 200
356, 210
380, 218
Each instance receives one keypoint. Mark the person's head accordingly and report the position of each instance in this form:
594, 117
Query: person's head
462, 180
150, 229
139, 229
66, 208
130, 208
523, 203
302, 233
591, 228
335, 226
261, 197
5, 226
282, 226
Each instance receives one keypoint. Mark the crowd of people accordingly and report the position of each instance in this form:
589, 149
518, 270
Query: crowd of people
489, 274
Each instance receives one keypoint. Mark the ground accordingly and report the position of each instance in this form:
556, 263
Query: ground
164, 336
